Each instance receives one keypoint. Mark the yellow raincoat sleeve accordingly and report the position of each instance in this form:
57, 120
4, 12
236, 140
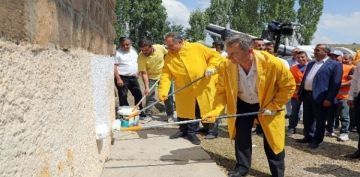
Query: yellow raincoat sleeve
220, 94
286, 87
212, 57
165, 80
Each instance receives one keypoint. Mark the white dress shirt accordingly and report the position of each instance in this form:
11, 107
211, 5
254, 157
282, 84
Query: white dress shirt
127, 62
355, 83
312, 73
248, 91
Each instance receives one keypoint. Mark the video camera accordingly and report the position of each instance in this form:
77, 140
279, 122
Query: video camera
275, 30
280, 28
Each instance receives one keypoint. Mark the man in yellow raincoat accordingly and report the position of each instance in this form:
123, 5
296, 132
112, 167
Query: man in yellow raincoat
254, 81
184, 63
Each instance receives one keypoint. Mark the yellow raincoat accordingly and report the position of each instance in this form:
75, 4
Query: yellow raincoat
185, 66
275, 86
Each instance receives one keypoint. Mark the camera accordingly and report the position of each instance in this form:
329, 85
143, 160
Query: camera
280, 28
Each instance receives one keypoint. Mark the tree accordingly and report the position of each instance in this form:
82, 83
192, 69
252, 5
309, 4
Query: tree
144, 18
308, 16
198, 21
246, 17
122, 18
177, 28
219, 12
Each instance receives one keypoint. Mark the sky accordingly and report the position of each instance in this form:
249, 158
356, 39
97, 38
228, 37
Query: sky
339, 23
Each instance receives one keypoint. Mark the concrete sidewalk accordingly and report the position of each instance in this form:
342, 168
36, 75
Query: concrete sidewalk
151, 153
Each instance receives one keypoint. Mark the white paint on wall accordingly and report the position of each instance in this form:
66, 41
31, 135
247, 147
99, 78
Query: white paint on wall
102, 76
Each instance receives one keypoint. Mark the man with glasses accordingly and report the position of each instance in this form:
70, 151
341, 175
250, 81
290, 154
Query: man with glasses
184, 63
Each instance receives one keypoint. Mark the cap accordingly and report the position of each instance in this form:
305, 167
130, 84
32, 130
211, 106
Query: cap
337, 52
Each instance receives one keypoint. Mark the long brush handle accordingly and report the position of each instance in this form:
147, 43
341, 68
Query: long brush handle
142, 99
137, 128
173, 93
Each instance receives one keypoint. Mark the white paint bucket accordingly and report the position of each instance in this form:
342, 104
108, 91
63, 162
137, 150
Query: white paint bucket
124, 112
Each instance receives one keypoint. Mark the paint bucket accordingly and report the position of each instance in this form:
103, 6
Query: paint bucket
123, 113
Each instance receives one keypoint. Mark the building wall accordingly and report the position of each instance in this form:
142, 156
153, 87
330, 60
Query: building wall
56, 86
66, 24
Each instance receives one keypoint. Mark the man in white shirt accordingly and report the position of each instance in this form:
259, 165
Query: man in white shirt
318, 90
126, 72
254, 81
354, 102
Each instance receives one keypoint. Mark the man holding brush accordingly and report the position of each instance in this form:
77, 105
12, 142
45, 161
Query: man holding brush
184, 63
151, 62
254, 81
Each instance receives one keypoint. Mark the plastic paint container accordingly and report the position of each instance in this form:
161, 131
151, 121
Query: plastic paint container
124, 112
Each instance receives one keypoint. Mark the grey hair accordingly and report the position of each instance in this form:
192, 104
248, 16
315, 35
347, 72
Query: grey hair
349, 56
326, 47
177, 37
245, 42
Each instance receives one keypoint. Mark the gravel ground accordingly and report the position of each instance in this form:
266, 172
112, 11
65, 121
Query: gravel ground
327, 160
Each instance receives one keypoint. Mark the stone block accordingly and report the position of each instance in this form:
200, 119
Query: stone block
13, 20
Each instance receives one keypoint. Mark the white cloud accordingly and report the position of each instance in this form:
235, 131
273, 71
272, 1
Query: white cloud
338, 28
177, 12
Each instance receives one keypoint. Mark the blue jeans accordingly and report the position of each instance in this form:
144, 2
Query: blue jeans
151, 98
294, 117
342, 111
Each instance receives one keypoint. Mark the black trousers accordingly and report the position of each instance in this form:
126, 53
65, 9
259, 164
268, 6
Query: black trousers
190, 128
243, 143
130, 83
314, 120
357, 116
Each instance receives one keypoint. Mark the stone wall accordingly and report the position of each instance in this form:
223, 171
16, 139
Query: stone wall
56, 86
66, 24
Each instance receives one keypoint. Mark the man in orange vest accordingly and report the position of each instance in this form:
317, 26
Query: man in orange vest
341, 107
298, 72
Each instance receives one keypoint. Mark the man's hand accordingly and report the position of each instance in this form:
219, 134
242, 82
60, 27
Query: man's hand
268, 112
163, 97
119, 82
146, 91
327, 103
350, 103
209, 72
208, 119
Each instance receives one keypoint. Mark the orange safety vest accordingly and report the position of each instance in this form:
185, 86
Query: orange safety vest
298, 75
344, 90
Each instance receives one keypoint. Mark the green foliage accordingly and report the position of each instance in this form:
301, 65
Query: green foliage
121, 7
245, 16
252, 16
219, 12
177, 28
198, 21
308, 16
144, 18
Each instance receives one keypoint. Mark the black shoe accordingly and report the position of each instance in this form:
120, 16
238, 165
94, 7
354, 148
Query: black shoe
304, 140
291, 131
210, 136
202, 130
313, 145
353, 129
193, 139
235, 173
177, 135
355, 155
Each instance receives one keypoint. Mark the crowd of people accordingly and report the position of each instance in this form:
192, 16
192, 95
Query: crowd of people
248, 77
